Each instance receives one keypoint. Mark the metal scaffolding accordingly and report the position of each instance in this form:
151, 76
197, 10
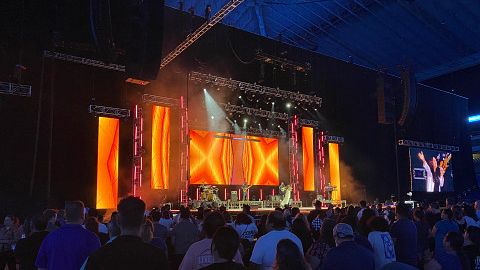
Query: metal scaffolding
200, 31
255, 88
15, 89
109, 111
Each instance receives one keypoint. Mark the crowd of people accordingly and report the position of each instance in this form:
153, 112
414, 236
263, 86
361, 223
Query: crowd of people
355, 237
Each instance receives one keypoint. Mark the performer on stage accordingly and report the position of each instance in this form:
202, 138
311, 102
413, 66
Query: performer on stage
287, 193
245, 189
329, 189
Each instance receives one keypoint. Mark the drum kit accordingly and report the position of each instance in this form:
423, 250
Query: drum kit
209, 193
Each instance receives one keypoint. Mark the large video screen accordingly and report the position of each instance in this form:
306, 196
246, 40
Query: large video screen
431, 170
231, 159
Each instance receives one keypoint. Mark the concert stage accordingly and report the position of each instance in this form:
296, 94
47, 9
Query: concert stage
265, 158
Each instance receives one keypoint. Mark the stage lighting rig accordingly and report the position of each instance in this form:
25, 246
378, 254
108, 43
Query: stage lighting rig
109, 111
434, 146
15, 89
254, 88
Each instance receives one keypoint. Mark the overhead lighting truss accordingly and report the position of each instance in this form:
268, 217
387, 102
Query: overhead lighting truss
308, 122
160, 100
255, 88
255, 112
333, 139
282, 62
109, 111
251, 131
200, 31
434, 146
15, 89
82, 60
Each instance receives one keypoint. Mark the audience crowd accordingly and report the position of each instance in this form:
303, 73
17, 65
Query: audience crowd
360, 237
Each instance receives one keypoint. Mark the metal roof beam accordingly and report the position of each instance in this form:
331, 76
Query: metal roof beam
261, 21
466, 62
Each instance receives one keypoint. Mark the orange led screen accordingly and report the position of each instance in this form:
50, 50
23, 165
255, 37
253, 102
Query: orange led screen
229, 159
107, 163
308, 159
334, 161
160, 147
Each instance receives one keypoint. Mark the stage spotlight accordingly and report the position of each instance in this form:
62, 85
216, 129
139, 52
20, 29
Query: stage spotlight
278, 126
204, 90
273, 103
288, 105
212, 117
245, 120
240, 97
235, 120
315, 109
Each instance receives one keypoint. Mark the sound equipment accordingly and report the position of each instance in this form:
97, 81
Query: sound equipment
409, 96
144, 49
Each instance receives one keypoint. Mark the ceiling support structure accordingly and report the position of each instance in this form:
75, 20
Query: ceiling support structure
224, 11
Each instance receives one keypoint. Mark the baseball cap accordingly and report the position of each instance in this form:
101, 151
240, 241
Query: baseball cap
343, 230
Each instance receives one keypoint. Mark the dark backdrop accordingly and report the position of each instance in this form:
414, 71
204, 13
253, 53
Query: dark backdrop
349, 110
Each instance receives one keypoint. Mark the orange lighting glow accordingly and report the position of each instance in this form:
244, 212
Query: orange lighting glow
107, 163
308, 159
160, 147
228, 159
334, 161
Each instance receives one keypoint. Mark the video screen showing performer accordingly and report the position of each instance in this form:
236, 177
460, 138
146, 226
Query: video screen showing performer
431, 170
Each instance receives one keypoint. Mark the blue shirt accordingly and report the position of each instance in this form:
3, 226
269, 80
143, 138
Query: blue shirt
66, 248
349, 256
404, 234
448, 261
443, 227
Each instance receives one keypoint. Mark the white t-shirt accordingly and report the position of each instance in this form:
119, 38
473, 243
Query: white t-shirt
266, 248
383, 248
246, 231
360, 214
199, 255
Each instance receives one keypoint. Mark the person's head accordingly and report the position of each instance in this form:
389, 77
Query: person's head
246, 209
9, 221
473, 234
74, 212
447, 214
402, 210
200, 212
379, 206
453, 241
275, 221
378, 224
342, 232
185, 213
91, 224
243, 218
131, 212
366, 215
155, 215
225, 243
147, 231
295, 211
288, 256
434, 205
326, 232
457, 212
165, 214
222, 208
477, 205
227, 217
318, 205
50, 215
212, 222
470, 212
418, 214
299, 227
38, 223
363, 204
351, 210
